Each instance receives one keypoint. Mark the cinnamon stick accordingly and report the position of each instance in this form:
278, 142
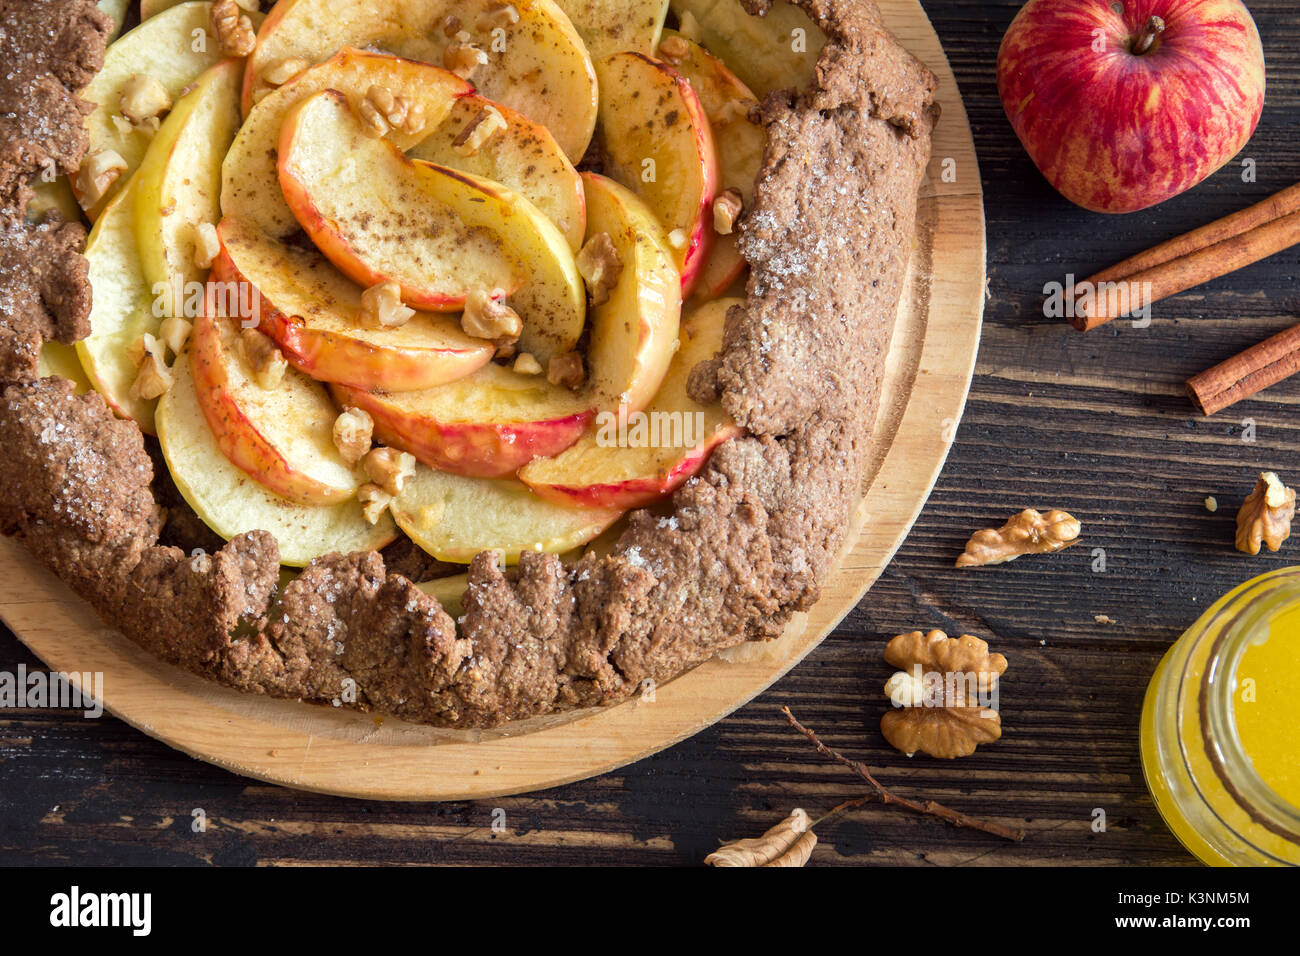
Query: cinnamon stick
1274, 207
1187, 271
1246, 374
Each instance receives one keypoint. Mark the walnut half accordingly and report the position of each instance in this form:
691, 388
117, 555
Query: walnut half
1265, 516
939, 692
1029, 532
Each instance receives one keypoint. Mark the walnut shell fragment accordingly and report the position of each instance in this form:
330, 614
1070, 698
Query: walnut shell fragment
789, 843
939, 693
1029, 532
1265, 516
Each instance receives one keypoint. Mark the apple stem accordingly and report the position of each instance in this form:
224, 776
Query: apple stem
1155, 26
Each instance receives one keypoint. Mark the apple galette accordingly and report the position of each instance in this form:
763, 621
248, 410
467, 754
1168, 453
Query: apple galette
461, 361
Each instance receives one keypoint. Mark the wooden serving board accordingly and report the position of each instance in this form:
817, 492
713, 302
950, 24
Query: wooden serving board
332, 751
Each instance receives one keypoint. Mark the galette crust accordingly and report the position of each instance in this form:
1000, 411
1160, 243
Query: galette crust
744, 545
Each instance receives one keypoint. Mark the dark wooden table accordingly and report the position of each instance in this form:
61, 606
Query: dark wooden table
1094, 424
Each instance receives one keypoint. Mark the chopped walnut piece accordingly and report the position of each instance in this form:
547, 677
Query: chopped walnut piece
486, 123
153, 376
1265, 516
726, 210
600, 266
566, 370
464, 58
390, 469
207, 246
143, 98
527, 364
1027, 533
175, 332
282, 71
937, 694
382, 111
233, 29
382, 307
678, 239
1211, 504
97, 174
374, 502
487, 318
451, 25
501, 16
674, 49
353, 431
263, 358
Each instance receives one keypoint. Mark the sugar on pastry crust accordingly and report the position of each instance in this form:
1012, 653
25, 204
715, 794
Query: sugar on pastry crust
746, 543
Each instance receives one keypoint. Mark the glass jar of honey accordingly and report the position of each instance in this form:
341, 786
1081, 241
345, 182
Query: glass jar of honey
1221, 728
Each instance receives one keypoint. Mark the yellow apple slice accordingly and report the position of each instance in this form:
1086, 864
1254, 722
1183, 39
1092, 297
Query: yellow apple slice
535, 61
179, 182
438, 233
777, 51
611, 26
121, 312
454, 518
739, 143
231, 503
485, 425
174, 48
53, 196
523, 156
250, 183
314, 314
634, 332
116, 9
632, 460
658, 143
281, 436
151, 8
449, 591
61, 361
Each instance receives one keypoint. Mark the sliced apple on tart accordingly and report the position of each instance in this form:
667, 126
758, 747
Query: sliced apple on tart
525, 54
658, 143
153, 63
271, 421
440, 234
612, 26
454, 518
250, 182
315, 315
492, 141
632, 460
231, 502
727, 103
486, 425
179, 181
633, 328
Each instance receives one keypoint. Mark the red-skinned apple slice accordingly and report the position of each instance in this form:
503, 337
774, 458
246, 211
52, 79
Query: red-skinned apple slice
454, 518
524, 157
314, 315
658, 143
250, 189
634, 332
739, 143
440, 234
486, 425
536, 63
231, 503
282, 437
620, 464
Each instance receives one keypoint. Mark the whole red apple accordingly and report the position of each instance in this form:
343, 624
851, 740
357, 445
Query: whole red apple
1126, 103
